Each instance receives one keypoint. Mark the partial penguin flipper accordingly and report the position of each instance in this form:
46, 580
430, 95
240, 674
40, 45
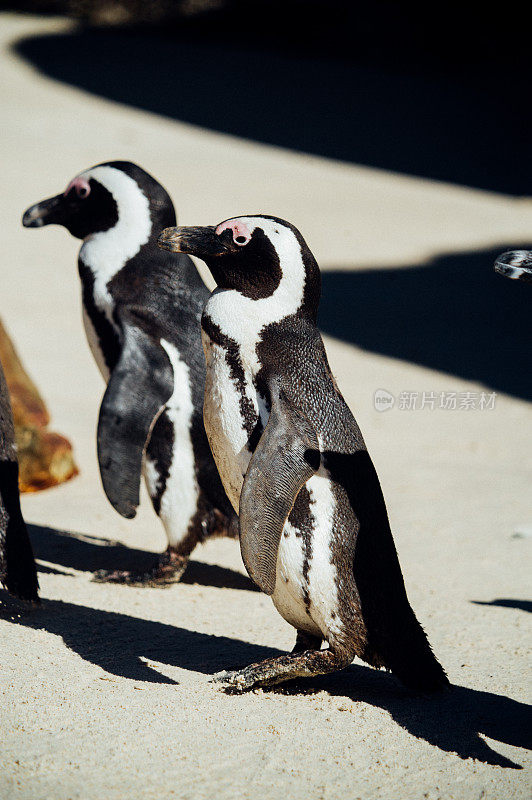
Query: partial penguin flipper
18, 572
515, 264
17, 566
285, 458
139, 387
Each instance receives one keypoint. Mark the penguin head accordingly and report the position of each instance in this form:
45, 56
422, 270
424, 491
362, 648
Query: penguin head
259, 256
96, 199
515, 264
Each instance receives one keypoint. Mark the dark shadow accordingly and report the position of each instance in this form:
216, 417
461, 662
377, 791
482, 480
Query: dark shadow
453, 721
44, 569
91, 553
116, 642
453, 314
319, 82
522, 605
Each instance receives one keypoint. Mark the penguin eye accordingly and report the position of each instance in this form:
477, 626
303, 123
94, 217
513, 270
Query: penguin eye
83, 191
240, 240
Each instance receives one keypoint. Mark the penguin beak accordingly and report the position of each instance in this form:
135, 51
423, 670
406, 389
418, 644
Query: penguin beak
196, 241
515, 264
47, 212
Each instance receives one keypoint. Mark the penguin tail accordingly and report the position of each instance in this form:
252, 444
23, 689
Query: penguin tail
407, 653
18, 573
394, 634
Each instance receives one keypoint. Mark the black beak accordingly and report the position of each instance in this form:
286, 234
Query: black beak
47, 212
196, 241
516, 264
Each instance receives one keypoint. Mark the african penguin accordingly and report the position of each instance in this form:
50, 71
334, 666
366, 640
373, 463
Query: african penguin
516, 264
142, 310
17, 566
314, 531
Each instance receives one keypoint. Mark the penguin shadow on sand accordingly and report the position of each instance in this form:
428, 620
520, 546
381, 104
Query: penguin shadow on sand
352, 82
506, 602
118, 643
453, 314
123, 646
454, 721
63, 550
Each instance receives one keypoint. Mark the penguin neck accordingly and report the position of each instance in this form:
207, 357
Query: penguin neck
105, 253
242, 319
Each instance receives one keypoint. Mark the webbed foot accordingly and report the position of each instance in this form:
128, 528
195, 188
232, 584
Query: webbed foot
168, 570
240, 680
284, 668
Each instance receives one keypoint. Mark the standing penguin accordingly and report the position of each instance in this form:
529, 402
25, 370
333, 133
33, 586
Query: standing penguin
142, 310
515, 264
17, 565
314, 532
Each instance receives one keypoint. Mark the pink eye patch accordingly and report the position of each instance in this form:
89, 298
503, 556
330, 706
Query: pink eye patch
80, 185
241, 232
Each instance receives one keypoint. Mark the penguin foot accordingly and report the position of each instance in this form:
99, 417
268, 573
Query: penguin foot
168, 570
284, 668
229, 680
307, 641
244, 680
216, 523
239, 681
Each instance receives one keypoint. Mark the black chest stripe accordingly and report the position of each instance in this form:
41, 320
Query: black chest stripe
160, 451
301, 519
252, 422
107, 335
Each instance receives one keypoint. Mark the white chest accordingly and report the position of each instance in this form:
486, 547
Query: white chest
179, 499
230, 407
95, 255
290, 597
306, 593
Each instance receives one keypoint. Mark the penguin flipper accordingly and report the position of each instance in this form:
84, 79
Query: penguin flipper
138, 389
286, 456
18, 572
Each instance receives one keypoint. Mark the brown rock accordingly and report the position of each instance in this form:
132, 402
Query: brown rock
45, 458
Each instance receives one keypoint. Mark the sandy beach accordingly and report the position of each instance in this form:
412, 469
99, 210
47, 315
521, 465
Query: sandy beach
105, 689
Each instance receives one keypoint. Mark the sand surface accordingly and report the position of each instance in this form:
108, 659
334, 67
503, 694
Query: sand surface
105, 689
